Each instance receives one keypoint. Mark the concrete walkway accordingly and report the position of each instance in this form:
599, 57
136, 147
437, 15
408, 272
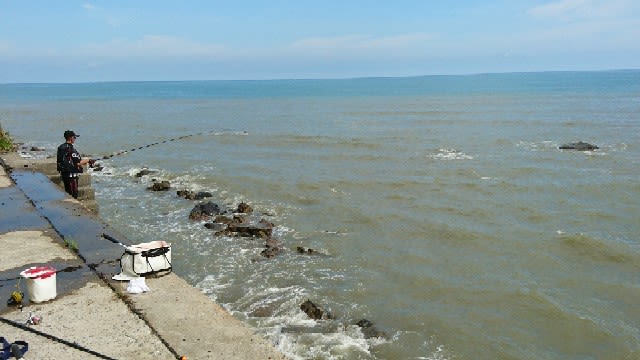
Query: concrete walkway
93, 317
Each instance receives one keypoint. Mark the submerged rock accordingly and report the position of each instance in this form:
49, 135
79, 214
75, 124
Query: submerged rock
270, 252
307, 251
369, 330
272, 248
579, 146
160, 186
190, 195
215, 226
145, 172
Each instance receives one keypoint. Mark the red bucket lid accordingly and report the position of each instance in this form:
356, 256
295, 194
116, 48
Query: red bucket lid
38, 272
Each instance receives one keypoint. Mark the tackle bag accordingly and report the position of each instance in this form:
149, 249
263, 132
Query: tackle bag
144, 259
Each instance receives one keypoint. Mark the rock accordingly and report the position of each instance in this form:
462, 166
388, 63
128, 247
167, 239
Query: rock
314, 311
308, 251
271, 252
369, 330
273, 248
215, 226
262, 229
190, 195
144, 172
223, 219
204, 211
244, 208
36, 148
579, 146
160, 186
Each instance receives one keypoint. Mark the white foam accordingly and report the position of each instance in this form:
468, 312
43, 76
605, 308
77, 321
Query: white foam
450, 154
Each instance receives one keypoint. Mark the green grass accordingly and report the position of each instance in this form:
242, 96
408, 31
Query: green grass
6, 142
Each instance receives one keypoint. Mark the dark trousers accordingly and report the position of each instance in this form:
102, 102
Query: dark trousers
70, 184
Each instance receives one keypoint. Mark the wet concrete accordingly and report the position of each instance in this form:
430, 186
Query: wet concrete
54, 209
17, 213
75, 224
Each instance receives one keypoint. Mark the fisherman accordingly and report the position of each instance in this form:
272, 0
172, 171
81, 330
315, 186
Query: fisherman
69, 163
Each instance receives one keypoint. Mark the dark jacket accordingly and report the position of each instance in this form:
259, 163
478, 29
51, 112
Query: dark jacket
68, 159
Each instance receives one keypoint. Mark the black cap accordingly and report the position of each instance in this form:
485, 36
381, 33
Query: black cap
70, 133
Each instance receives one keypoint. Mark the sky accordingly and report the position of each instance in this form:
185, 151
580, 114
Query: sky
154, 40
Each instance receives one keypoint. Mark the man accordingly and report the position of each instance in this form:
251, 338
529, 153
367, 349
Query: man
70, 163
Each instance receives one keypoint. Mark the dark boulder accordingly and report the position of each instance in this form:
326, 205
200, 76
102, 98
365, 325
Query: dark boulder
579, 146
204, 211
314, 311
369, 330
160, 186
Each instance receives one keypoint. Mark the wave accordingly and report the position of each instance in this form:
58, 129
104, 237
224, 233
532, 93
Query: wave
601, 250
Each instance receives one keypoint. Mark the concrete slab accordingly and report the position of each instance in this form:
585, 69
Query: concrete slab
194, 325
92, 317
35, 246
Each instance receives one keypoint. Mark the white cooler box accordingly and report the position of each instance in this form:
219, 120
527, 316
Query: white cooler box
144, 259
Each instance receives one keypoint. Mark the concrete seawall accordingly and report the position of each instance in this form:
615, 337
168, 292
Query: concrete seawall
41, 225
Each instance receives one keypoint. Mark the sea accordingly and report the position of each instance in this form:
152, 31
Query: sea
439, 209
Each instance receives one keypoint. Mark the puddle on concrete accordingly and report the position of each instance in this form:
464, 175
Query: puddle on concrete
70, 275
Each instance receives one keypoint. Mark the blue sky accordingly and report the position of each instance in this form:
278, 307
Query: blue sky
80, 41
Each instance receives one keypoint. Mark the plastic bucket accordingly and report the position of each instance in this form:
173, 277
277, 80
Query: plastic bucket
41, 283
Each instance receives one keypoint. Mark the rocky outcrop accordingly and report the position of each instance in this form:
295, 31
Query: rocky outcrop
579, 146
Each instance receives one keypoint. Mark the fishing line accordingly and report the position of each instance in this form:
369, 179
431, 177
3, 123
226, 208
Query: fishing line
123, 152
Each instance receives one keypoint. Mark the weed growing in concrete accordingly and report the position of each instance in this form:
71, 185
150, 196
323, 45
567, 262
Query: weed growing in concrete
71, 244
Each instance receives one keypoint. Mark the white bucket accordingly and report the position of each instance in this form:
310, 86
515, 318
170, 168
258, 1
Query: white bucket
41, 283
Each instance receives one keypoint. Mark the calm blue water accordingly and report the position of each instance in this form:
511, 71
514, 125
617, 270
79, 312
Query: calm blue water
448, 215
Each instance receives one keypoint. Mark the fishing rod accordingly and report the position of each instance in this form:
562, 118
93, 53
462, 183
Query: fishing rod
123, 152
